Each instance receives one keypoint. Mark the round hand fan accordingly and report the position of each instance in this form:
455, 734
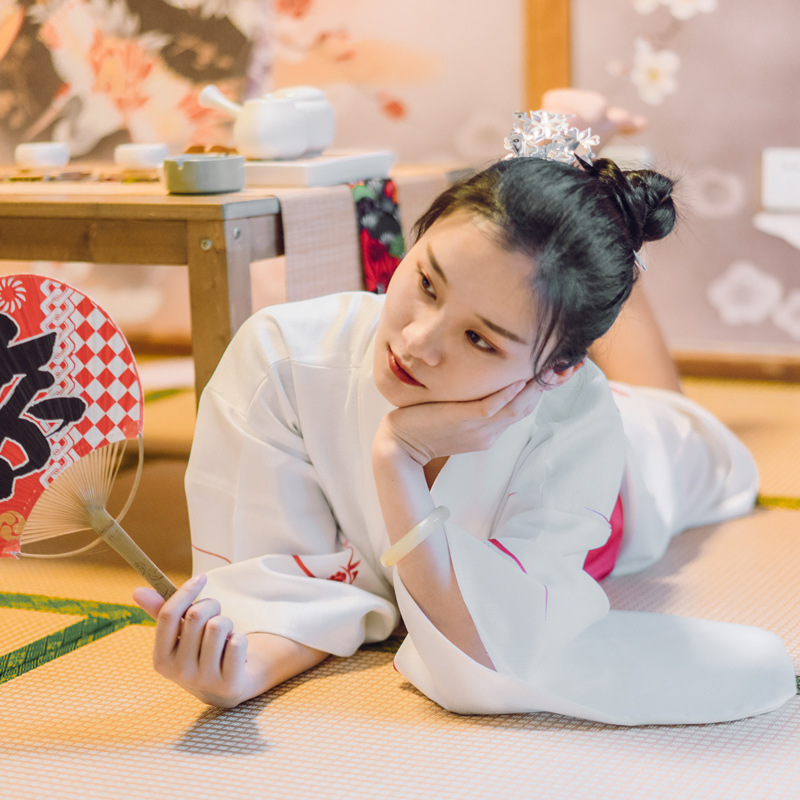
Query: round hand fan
70, 399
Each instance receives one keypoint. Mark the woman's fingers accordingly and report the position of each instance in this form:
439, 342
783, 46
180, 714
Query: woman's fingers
170, 617
489, 406
148, 599
526, 400
428, 430
516, 400
195, 645
214, 640
233, 659
193, 629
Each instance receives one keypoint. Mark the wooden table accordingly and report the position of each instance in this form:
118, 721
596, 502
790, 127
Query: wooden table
216, 236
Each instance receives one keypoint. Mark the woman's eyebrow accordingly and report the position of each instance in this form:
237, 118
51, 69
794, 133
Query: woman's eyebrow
435, 264
491, 325
502, 331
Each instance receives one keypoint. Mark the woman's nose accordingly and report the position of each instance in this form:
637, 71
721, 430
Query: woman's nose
423, 340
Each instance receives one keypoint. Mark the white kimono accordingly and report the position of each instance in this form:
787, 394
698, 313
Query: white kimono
286, 521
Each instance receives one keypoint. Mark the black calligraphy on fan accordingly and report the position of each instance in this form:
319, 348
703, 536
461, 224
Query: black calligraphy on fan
28, 422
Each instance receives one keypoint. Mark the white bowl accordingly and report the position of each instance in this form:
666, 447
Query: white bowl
35, 155
204, 174
140, 156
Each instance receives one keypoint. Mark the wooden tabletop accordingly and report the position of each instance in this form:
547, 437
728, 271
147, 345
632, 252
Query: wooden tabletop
130, 201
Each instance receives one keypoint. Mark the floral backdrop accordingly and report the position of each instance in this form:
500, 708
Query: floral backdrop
716, 79
96, 73
433, 81
436, 82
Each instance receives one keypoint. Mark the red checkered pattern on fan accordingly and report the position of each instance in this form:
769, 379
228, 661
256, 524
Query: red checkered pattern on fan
105, 374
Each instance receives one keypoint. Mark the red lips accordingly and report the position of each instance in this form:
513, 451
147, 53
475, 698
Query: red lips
400, 373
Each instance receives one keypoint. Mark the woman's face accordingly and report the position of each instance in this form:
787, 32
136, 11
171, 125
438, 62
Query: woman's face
458, 322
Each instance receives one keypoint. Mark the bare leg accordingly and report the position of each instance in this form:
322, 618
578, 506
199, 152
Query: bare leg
634, 350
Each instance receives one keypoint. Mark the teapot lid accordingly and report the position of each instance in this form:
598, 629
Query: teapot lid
300, 93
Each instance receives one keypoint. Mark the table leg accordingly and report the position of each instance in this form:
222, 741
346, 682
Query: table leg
219, 256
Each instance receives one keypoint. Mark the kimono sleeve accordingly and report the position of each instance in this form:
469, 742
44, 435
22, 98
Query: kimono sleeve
546, 624
256, 505
525, 587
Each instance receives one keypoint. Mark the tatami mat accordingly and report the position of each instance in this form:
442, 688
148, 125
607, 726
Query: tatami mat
766, 415
97, 722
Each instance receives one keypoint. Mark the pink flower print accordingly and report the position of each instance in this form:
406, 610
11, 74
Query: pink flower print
120, 68
293, 8
391, 106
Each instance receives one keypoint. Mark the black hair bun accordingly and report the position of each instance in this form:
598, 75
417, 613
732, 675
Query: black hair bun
644, 198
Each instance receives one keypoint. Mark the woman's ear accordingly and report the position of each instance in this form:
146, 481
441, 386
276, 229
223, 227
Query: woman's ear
552, 378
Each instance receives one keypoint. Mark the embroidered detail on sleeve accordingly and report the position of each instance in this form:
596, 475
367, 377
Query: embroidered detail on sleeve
299, 562
347, 573
209, 553
503, 549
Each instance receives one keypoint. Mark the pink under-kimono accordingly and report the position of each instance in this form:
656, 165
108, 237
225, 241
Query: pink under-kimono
286, 522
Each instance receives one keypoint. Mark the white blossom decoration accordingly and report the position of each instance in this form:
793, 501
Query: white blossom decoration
713, 193
654, 72
686, 9
744, 294
680, 9
787, 315
646, 6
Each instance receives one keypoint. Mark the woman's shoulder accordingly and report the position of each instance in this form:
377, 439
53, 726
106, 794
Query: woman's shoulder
325, 308
335, 327
278, 345
586, 394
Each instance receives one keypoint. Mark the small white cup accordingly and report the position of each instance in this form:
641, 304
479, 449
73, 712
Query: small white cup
36, 155
140, 156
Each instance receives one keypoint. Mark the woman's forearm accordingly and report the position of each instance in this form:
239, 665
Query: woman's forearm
270, 660
282, 658
427, 571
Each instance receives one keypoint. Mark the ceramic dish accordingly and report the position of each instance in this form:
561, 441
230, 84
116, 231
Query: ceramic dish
204, 174
36, 155
140, 156
328, 169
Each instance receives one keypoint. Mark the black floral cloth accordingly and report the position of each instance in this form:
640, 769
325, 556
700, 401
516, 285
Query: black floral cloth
380, 234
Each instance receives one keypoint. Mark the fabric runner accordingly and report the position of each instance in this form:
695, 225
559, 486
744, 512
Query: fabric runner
343, 238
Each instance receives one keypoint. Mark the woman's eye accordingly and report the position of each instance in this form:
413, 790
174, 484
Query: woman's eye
479, 341
425, 284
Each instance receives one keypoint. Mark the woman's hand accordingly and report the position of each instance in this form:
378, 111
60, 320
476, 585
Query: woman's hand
195, 646
197, 649
431, 430
407, 439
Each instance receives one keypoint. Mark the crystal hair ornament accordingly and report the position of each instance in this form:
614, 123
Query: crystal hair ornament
540, 134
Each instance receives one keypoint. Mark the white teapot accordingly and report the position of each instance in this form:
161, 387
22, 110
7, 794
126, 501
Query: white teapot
265, 127
318, 113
